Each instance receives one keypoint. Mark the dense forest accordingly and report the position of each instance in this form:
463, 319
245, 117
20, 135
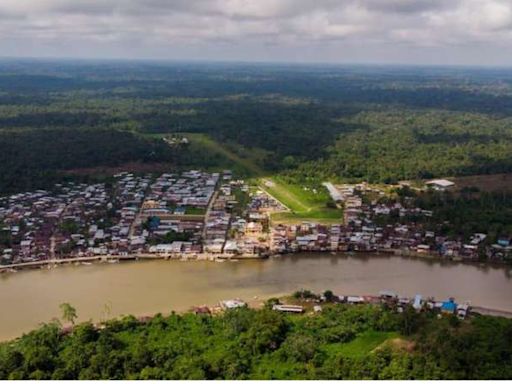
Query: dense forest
470, 212
338, 122
32, 158
398, 145
341, 342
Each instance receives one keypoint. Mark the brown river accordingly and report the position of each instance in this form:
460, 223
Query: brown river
100, 291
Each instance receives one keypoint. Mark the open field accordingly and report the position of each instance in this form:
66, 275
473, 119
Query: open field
247, 161
363, 344
487, 183
304, 203
290, 196
321, 216
240, 159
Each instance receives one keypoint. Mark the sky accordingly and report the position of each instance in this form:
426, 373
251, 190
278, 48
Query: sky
442, 32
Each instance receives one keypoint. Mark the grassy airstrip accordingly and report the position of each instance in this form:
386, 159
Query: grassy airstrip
304, 203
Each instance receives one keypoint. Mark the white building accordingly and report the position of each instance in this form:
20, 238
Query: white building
440, 184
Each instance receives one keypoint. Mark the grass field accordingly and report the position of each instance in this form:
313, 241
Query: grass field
244, 158
241, 160
363, 344
326, 216
303, 203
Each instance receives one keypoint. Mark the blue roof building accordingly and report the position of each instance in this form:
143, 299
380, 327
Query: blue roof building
449, 306
504, 242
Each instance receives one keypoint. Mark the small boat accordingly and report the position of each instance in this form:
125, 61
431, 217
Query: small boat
86, 263
219, 260
113, 261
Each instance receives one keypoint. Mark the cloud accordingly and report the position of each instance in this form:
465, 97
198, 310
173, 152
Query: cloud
367, 30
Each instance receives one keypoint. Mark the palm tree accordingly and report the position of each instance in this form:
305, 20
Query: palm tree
68, 313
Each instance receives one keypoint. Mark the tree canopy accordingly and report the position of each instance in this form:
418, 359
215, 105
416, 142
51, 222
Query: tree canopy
341, 342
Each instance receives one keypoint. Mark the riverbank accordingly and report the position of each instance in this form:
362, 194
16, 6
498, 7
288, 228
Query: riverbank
221, 257
492, 312
116, 258
306, 306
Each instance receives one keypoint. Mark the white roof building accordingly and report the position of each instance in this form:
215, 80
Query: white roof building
231, 304
440, 184
335, 194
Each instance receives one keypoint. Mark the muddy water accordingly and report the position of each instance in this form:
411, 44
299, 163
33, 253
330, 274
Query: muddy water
98, 291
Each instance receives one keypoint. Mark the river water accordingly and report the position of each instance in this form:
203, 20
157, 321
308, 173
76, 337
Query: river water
98, 291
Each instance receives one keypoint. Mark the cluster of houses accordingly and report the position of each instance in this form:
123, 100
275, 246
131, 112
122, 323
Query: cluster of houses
372, 224
388, 298
44, 224
419, 303
179, 194
364, 236
73, 220
177, 204
128, 196
189, 213
400, 303
196, 212
80, 220
218, 218
250, 234
218, 226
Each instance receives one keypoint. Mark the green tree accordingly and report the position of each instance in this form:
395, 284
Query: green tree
329, 296
68, 313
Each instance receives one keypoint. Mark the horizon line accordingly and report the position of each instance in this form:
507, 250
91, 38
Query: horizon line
250, 62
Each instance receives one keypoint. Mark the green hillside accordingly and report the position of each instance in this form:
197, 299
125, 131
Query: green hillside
342, 342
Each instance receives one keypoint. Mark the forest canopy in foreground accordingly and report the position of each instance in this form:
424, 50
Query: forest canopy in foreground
342, 342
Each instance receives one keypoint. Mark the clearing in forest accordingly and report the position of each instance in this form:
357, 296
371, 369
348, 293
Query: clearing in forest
243, 157
240, 159
363, 344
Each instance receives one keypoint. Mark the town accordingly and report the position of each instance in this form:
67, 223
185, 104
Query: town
373, 222
212, 216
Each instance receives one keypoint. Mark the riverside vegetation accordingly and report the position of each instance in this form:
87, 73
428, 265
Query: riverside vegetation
341, 342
